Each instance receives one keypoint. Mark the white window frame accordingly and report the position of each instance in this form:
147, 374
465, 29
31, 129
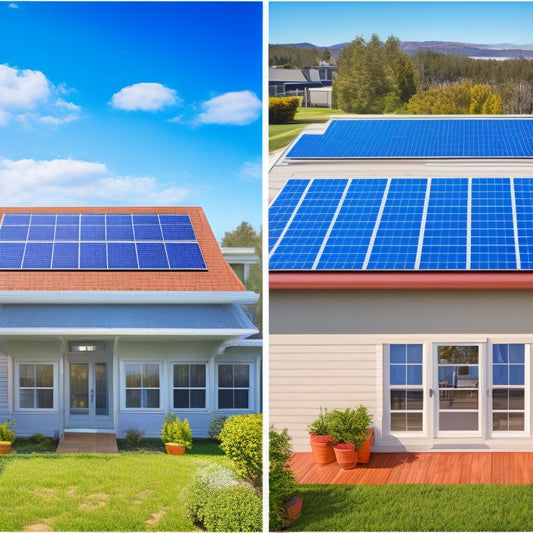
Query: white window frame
205, 388
124, 388
251, 387
18, 388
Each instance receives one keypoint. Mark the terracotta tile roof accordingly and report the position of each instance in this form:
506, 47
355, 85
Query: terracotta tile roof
218, 277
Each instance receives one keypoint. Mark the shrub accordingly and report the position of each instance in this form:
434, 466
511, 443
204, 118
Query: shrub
349, 425
320, 425
134, 437
210, 479
281, 482
215, 427
38, 438
234, 508
7, 433
282, 110
175, 431
241, 439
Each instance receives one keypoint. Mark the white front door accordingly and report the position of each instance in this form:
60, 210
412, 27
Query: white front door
89, 397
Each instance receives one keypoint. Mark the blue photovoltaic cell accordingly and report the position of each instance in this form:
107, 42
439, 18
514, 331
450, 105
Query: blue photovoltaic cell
445, 235
283, 207
414, 224
98, 242
397, 238
303, 239
492, 241
349, 239
419, 138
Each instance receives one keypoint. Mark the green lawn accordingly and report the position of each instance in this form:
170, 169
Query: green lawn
415, 508
280, 135
129, 491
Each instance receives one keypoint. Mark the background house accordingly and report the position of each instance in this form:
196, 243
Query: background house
112, 317
400, 278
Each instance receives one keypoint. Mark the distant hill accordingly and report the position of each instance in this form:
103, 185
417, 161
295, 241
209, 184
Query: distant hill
496, 51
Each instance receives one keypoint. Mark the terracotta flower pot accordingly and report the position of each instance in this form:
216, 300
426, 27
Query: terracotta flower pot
322, 447
5, 447
363, 455
346, 455
293, 509
174, 449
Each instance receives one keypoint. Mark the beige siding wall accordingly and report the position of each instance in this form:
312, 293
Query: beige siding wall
310, 371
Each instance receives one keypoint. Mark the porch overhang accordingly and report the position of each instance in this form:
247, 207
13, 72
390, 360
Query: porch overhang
472, 280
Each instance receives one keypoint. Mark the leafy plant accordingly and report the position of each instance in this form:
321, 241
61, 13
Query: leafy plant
175, 431
215, 427
7, 431
320, 425
281, 482
241, 439
349, 425
134, 437
282, 110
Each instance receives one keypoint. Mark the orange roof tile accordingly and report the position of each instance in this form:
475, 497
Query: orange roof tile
218, 277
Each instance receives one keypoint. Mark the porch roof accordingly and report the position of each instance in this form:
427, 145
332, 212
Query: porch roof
188, 319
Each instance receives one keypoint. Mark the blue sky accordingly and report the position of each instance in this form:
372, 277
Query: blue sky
329, 23
136, 103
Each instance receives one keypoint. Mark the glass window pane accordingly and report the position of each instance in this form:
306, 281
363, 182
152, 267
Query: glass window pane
516, 353
241, 375
151, 398
414, 374
181, 375
500, 399
241, 399
397, 375
133, 398
516, 375
457, 399
500, 375
151, 375
225, 375
45, 375
415, 400
414, 353
398, 422
198, 399
516, 421
181, 399
45, 399
414, 422
516, 399
26, 398
225, 399
500, 353
500, 421
133, 375
397, 400
26, 376
397, 353
197, 375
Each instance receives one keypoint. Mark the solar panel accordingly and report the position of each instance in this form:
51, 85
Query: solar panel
404, 224
418, 138
98, 242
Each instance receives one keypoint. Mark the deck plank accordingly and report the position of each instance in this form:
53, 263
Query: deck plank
453, 468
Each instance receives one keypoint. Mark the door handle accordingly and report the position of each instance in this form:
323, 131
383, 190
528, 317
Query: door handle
92, 395
431, 393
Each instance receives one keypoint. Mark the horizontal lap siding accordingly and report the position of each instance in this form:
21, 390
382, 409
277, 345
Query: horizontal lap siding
310, 371
4, 391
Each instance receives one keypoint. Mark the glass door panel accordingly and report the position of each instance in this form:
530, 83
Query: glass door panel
101, 401
79, 388
458, 388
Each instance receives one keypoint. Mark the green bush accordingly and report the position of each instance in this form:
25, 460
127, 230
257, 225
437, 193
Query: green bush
281, 482
282, 110
320, 425
7, 433
349, 425
210, 479
235, 508
241, 439
134, 437
175, 431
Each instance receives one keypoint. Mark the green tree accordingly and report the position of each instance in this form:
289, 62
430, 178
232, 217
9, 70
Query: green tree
244, 236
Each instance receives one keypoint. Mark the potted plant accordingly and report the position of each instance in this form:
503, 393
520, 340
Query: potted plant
349, 429
321, 440
7, 436
176, 435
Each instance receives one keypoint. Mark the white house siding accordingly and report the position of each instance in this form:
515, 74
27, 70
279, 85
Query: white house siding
327, 349
4, 391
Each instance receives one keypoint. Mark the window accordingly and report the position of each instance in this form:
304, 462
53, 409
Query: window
142, 385
233, 386
36, 386
508, 381
406, 393
189, 386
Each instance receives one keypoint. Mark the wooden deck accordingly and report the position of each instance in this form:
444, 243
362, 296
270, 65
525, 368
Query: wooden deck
504, 468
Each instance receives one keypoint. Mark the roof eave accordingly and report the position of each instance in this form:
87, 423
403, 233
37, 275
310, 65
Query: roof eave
473, 280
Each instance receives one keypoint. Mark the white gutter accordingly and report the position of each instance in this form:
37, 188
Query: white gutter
176, 332
128, 297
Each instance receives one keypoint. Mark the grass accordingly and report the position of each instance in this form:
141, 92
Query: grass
135, 490
415, 508
280, 135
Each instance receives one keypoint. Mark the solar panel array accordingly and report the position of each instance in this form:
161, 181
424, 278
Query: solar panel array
418, 138
36, 241
403, 224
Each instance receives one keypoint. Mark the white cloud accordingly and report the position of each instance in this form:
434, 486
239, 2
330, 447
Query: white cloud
13, 5
28, 97
144, 97
251, 170
233, 108
73, 182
